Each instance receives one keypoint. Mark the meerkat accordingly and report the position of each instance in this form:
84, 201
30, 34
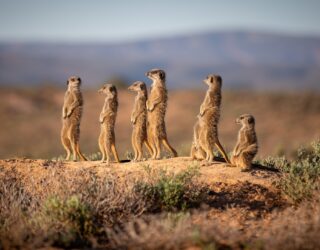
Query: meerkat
71, 117
107, 120
247, 144
139, 120
206, 129
157, 106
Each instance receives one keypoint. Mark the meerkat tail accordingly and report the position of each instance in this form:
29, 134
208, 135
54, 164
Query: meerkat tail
115, 153
169, 147
222, 151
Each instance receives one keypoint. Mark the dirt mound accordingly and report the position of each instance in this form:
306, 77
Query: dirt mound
254, 191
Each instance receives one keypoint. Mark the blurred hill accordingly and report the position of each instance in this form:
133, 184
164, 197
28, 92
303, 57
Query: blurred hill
244, 59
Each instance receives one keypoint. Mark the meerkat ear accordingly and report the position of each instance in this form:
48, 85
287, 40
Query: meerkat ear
219, 79
211, 79
67, 82
162, 75
250, 120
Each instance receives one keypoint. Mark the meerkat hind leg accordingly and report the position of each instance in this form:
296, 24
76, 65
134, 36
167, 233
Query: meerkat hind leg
153, 147
139, 149
193, 153
158, 148
81, 156
134, 147
146, 143
102, 147
115, 153
67, 146
74, 150
169, 147
210, 156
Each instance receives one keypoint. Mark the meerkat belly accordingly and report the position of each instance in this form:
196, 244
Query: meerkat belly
75, 117
107, 127
140, 128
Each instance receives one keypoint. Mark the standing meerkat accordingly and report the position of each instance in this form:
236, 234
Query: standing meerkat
206, 128
247, 144
107, 120
157, 106
71, 117
139, 120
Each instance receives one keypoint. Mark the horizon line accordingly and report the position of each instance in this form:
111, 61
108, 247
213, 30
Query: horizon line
161, 37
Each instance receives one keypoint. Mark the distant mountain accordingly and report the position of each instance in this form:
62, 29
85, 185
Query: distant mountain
244, 59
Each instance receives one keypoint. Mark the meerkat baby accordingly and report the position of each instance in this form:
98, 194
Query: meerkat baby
206, 132
71, 117
107, 120
247, 144
139, 120
157, 106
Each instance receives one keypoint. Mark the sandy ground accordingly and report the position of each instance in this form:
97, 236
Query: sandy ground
216, 172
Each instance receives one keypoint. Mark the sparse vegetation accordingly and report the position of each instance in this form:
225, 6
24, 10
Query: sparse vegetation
171, 191
300, 176
159, 208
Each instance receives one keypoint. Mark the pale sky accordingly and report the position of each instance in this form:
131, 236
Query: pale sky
126, 20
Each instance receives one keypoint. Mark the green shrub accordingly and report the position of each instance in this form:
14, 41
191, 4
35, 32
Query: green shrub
301, 177
95, 156
280, 163
70, 222
170, 191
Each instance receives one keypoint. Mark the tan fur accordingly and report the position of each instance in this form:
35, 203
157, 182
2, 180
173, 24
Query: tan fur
206, 128
71, 117
197, 152
247, 144
139, 120
157, 106
107, 120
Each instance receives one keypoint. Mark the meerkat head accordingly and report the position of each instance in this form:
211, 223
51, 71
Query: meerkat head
213, 81
74, 82
156, 75
138, 86
246, 120
108, 89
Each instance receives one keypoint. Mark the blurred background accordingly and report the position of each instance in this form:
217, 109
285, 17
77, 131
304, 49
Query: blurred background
267, 52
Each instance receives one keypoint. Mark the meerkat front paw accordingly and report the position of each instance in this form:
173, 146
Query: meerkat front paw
150, 108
